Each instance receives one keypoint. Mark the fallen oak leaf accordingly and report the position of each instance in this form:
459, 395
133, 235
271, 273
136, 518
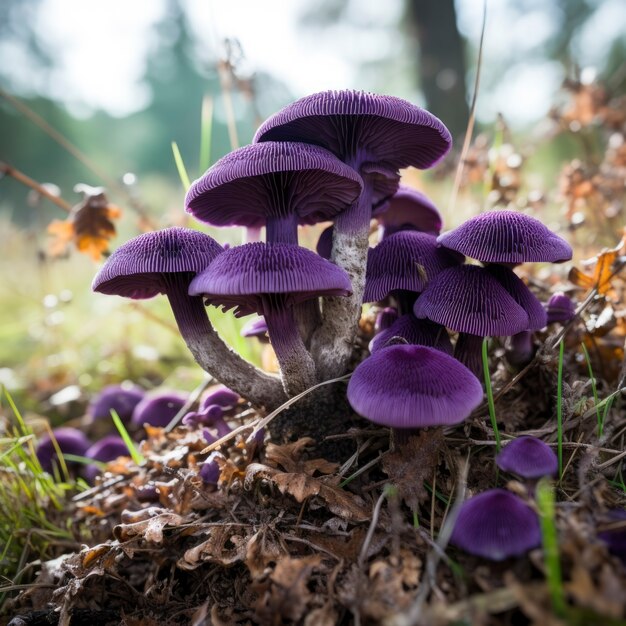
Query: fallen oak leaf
222, 546
150, 529
288, 456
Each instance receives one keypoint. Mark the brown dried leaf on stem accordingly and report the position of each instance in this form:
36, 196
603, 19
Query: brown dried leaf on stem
89, 226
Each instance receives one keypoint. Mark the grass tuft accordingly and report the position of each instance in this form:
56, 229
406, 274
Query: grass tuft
180, 166
135, 455
489, 390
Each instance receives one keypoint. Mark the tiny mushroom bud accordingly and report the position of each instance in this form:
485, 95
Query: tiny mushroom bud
560, 308
507, 237
414, 331
158, 409
528, 457
107, 449
496, 525
119, 398
69, 440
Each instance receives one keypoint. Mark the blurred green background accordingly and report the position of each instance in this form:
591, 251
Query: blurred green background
122, 80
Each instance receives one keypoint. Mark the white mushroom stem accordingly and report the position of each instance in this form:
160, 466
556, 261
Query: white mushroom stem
333, 341
215, 357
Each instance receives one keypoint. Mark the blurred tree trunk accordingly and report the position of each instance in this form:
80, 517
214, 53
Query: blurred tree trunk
442, 61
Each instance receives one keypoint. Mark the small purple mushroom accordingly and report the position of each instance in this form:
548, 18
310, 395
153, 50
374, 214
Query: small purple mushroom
220, 395
158, 409
560, 308
496, 525
409, 387
506, 237
256, 327
413, 331
69, 440
614, 536
529, 458
269, 279
107, 449
385, 318
119, 398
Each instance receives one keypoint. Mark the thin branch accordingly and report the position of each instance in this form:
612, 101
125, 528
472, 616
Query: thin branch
9, 170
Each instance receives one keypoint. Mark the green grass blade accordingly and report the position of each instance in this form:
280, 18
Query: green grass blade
135, 455
594, 389
489, 390
206, 133
552, 563
559, 410
180, 166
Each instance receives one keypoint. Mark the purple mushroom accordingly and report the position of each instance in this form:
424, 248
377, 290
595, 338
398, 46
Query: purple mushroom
402, 265
408, 209
410, 387
119, 398
220, 395
385, 318
468, 299
324, 245
158, 409
614, 533
560, 308
496, 525
506, 237
377, 136
69, 441
274, 184
413, 331
256, 327
107, 449
165, 261
269, 279
529, 458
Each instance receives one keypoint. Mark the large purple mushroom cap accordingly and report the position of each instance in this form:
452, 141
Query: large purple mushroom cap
413, 331
139, 268
119, 398
405, 386
362, 127
250, 278
107, 449
158, 409
409, 209
272, 182
496, 525
70, 441
407, 261
507, 237
528, 457
560, 308
469, 299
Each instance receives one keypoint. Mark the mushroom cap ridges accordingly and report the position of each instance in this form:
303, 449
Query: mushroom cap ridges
507, 237
135, 270
516, 288
406, 260
417, 332
405, 386
528, 457
274, 179
263, 269
118, 398
70, 441
496, 525
362, 127
410, 206
469, 299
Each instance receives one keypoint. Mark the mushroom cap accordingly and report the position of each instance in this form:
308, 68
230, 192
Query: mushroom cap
405, 386
409, 209
325, 243
406, 260
273, 179
220, 395
107, 449
385, 318
256, 327
615, 538
496, 525
468, 299
416, 332
362, 128
247, 277
528, 457
137, 268
70, 441
516, 288
506, 237
158, 409
560, 308
119, 398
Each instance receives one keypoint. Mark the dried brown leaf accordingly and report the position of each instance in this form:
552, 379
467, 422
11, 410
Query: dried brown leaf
150, 529
289, 457
223, 546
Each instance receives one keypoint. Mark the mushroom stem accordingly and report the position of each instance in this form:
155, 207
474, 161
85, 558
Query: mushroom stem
282, 229
214, 356
520, 349
296, 364
332, 342
468, 350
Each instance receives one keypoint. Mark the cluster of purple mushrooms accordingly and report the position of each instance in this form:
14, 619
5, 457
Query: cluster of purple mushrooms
337, 156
